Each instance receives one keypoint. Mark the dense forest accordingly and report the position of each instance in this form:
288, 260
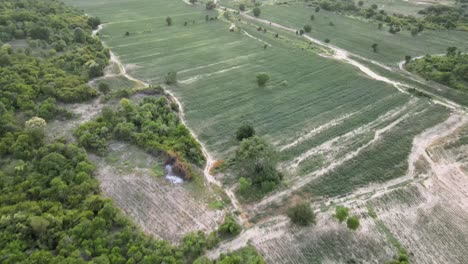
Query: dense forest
450, 70
51, 210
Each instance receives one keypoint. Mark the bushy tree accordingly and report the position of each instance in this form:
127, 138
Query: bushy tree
341, 213
242, 7
256, 11
256, 159
79, 35
94, 22
353, 222
230, 226
168, 21
210, 5
104, 88
307, 28
301, 214
245, 131
171, 78
262, 78
374, 47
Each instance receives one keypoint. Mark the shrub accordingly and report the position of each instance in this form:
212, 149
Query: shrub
210, 5
245, 131
230, 226
341, 213
307, 28
171, 78
353, 222
301, 214
242, 7
256, 12
103, 88
262, 78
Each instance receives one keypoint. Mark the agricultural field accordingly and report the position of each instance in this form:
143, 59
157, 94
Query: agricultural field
346, 130
357, 35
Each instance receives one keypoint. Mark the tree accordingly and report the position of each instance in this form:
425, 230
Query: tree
262, 78
94, 22
193, 1
374, 47
230, 226
301, 214
327, 40
5, 60
414, 31
312, 17
256, 159
451, 51
245, 186
127, 33
341, 213
379, 26
256, 12
168, 21
210, 5
245, 131
39, 225
242, 7
171, 78
407, 59
317, 9
360, 3
307, 28
374, 6
79, 35
104, 88
353, 222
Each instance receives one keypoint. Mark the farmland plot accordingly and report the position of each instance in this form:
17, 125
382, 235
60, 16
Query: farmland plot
357, 35
135, 181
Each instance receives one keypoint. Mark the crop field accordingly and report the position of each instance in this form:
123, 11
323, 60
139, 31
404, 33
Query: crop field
357, 35
135, 181
340, 134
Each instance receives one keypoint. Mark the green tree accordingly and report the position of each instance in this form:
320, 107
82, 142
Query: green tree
307, 28
451, 51
168, 21
229, 226
94, 22
262, 78
242, 7
312, 17
301, 214
407, 59
210, 5
374, 47
360, 3
256, 159
245, 131
171, 78
341, 213
104, 88
353, 222
79, 35
256, 11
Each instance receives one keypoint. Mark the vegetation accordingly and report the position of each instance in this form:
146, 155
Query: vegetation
255, 161
210, 5
171, 78
341, 213
245, 131
169, 21
301, 214
256, 11
262, 78
352, 222
229, 227
307, 28
152, 125
450, 70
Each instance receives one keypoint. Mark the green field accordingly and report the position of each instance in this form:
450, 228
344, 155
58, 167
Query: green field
357, 35
216, 72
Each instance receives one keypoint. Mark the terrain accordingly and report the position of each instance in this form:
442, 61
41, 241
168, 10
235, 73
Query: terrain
351, 125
